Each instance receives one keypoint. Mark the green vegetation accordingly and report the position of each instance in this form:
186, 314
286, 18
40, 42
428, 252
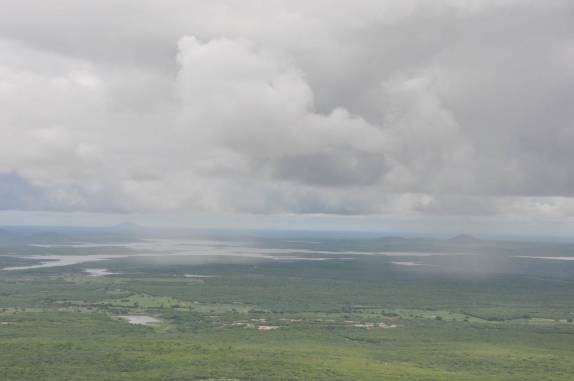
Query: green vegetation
363, 319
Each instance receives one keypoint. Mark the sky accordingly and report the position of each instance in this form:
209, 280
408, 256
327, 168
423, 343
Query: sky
442, 112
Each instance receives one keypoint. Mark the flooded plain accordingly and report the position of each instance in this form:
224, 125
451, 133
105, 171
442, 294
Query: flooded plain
162, 248
60, 260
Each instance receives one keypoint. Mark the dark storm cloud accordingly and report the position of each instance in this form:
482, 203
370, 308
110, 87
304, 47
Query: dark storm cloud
16, 193
331, 168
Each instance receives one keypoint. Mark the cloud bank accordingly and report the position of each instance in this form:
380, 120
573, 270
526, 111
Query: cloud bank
407, 107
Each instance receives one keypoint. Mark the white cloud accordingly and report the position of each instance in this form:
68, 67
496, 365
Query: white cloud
401, 107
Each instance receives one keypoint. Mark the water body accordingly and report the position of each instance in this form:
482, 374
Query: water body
198, 276
80, 245
60, 260
238, 249
199, 248
140, 319
99, 272
408, 264
417, 254
549, 258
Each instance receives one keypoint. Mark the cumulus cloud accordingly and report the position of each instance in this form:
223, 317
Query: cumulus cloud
450, 107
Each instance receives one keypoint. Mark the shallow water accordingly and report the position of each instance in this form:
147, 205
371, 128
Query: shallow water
166, 247
408, 264
76, 245
200, 248
60, 260
99, 272
549, 258
140, 319
198, 276
418, 254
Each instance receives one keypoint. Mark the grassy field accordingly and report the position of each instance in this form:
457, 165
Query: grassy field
359, 319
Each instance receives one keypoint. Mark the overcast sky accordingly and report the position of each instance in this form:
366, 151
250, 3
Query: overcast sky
404, 108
